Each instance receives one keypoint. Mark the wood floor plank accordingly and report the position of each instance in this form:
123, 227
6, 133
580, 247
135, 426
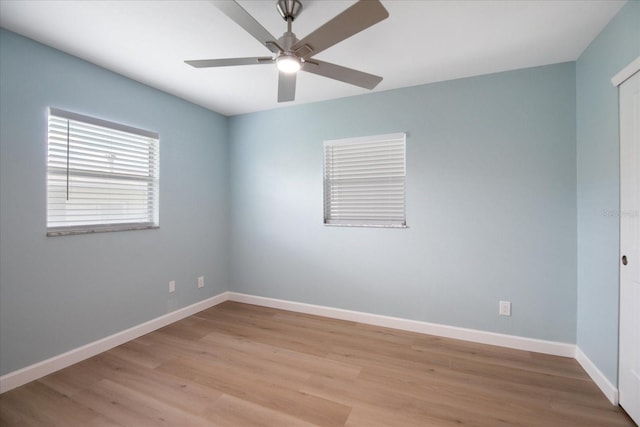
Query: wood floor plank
292, 360
172, 391
41, 405
135, 408
245, 365
138, 353
261, 389
265, 331
501, 356
495, 407
230, 411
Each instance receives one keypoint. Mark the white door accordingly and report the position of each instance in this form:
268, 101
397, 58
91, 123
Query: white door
629, 364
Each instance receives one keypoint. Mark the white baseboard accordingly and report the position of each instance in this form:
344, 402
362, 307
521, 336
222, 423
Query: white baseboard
46, 367
483, 337
608, 389
38, 370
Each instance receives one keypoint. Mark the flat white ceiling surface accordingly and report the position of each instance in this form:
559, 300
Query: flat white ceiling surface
421, 42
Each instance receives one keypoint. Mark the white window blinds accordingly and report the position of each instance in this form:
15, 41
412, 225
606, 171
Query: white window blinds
364, 181
101, 176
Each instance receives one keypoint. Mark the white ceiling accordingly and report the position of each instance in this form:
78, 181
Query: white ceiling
421, 42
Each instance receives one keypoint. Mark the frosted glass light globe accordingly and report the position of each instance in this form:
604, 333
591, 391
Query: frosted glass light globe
288, 64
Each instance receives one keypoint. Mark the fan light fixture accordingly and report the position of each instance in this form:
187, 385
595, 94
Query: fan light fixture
288, 64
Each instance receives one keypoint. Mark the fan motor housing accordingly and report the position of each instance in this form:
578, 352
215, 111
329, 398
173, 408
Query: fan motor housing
287, 40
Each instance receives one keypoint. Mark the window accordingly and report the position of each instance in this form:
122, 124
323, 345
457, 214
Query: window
101, 176
364, 181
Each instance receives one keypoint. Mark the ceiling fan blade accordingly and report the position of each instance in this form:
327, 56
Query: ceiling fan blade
286, 86
227, 62
241, 17
343, 74
358, 17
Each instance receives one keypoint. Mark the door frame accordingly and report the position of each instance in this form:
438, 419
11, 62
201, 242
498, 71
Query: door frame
626, 72
621, 77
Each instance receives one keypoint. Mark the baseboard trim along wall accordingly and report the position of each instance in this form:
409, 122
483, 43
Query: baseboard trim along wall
597, 376
502, 340
38, 370
46, 367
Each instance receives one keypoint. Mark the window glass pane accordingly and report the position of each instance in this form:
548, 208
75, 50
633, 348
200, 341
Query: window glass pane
101, 176
364, 181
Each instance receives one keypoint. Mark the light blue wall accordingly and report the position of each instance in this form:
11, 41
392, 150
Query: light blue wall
598, 160
490, 199
59, 293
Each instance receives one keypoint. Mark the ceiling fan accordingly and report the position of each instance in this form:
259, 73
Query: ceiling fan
291, 55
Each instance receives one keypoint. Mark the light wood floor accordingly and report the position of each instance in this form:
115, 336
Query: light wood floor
243, 365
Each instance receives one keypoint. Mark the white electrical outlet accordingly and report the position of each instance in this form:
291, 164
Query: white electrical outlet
172, 286
505, 308
201, 282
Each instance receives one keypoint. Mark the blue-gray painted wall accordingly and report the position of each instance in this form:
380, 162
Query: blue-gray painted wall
58, 293
491, 205
598, 189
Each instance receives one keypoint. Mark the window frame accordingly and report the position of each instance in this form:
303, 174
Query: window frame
106, 179
384, 180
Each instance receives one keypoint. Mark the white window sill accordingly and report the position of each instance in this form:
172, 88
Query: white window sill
103, 229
